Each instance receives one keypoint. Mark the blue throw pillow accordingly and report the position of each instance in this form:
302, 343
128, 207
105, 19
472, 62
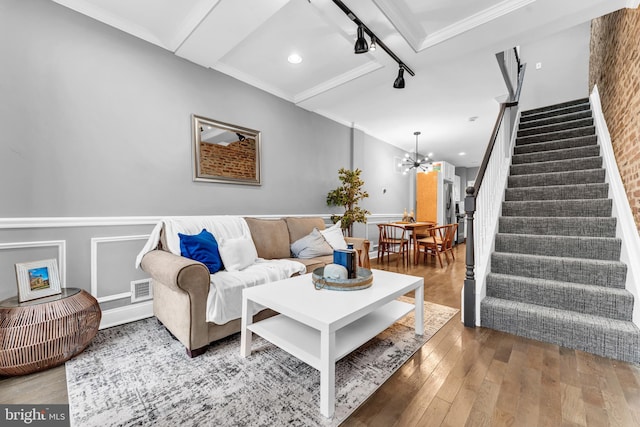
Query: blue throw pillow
201, 247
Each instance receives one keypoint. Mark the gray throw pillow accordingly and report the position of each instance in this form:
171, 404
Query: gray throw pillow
310, 246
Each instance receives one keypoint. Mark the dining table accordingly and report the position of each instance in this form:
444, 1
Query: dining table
414, 229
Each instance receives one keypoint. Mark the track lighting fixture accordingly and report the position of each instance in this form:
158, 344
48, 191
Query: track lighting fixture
361, 44
399, 82
362, 47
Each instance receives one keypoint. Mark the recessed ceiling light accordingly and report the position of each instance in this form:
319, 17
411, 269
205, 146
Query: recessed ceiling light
294, 58
462, 153
473, 118
430, 154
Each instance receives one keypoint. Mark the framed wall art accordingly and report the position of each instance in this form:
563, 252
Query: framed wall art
225, 153
37, 279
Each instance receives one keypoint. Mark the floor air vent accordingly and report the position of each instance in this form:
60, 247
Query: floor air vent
141, 290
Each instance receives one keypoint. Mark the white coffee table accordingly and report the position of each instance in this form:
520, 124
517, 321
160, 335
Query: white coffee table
320, 327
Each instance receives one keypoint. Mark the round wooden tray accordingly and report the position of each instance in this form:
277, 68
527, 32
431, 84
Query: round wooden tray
363, 281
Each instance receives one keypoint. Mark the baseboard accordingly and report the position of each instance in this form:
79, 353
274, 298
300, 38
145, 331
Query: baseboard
626, 229
122, 315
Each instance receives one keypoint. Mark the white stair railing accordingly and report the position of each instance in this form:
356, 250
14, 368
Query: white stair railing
483, 202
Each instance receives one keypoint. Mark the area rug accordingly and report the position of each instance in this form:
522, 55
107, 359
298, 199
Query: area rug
137, 374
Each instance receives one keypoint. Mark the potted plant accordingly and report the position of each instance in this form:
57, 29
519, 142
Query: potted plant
348, 195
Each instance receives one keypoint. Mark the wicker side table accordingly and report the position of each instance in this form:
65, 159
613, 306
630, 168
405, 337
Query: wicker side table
43, 333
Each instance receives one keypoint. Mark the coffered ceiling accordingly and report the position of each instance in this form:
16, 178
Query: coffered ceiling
449, 44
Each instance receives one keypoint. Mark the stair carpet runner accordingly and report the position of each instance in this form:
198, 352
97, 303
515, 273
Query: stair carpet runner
556, 274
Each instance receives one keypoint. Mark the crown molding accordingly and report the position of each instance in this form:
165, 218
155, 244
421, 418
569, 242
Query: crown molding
251, 81
352, 74
101, 15
305, 95
406, 24
398, 13
198, 14
487, 15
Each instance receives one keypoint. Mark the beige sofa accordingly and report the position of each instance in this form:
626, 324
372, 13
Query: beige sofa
181, 285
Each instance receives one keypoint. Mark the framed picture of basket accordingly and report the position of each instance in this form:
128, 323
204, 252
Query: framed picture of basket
37, 279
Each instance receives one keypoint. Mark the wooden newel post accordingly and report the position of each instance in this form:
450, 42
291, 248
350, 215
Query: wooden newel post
470, 280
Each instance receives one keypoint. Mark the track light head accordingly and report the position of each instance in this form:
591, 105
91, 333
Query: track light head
399, 82
361, 45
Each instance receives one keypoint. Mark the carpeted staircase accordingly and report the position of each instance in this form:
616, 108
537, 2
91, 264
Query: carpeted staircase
556, 274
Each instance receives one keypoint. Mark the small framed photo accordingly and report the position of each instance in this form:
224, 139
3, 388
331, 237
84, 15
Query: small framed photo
37, 279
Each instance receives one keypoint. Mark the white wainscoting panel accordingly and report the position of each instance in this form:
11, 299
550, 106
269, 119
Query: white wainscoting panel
61, 245
95, 241
136, 311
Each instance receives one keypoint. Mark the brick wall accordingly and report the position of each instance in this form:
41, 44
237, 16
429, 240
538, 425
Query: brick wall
615, 67
236, 160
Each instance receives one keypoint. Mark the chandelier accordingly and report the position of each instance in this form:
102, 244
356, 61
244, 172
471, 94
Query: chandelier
415, 162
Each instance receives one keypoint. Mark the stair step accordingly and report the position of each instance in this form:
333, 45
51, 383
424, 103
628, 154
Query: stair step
558, 109
595, 300
555, 274
605, 248
558, 208
555, 119
575, 270
580, 141
553, 136
558, 226
556, 127
556, 166
610, 338
524, 117
557, 178
558, 192
553, 155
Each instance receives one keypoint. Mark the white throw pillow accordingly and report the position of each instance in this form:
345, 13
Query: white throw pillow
237, 254
310, 246
333, 235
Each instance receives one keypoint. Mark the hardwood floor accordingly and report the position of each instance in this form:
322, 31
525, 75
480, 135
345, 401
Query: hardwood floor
482, 377
462, 377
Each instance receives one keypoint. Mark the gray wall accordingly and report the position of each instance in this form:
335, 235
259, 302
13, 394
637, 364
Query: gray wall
390, 192
466, 175
96, 123
388, 189
564, 75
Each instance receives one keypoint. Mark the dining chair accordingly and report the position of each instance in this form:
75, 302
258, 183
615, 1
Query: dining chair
419, 232
393, 239
447, 243
432, 244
